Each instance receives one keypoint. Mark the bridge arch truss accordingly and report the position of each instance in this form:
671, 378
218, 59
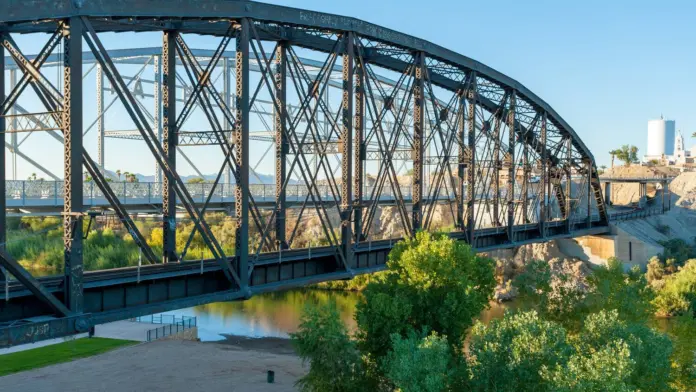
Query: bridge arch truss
447, 138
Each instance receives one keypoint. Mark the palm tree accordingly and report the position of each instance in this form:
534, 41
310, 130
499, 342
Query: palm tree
613, 155
118, 173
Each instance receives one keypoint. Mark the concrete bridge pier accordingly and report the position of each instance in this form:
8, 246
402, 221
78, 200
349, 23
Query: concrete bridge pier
607, 193
642, 194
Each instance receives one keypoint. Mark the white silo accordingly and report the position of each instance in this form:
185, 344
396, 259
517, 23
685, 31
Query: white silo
661, 137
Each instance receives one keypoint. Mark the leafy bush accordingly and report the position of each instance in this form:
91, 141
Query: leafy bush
679, 250
649, 350
418, 364
678, 293
509, 354
322, 341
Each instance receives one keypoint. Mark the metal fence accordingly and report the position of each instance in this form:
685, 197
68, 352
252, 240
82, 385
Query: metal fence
171, 325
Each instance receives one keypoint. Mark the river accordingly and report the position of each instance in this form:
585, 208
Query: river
277, 314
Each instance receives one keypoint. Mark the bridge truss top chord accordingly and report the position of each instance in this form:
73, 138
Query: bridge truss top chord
346, 110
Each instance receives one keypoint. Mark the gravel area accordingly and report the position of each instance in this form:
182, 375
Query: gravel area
236, 364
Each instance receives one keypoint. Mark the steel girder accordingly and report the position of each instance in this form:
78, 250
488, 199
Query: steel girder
468, 130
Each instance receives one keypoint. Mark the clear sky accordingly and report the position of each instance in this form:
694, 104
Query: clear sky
607, 67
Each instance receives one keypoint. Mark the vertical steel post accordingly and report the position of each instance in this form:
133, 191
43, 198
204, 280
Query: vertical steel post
100, 117
280, 113
242, 155
462, 159
543, 213
347, 148
471, 163
589, 193
569, 214
525, 182
512, 170
496, 170
418, 133
359, 150
169, 139
72, 133
13, 135
3, 166
157, 114
226, 92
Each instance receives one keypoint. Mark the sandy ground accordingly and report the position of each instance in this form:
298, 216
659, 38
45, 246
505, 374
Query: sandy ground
237, 364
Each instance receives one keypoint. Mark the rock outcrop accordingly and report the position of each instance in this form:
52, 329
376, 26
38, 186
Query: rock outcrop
512, 262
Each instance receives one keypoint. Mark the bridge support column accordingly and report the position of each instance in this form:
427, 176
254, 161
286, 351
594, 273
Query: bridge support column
471, 163
359, 151
281, 142
72, 133
607, 193
418, 131
347, 149
643, 192
169, 139
3, 166
545, 183
512, 169
241, 138
665, 188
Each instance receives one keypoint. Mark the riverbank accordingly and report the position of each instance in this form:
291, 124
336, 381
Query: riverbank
235, 364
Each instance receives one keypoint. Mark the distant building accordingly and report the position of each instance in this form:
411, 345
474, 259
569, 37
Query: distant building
661, 135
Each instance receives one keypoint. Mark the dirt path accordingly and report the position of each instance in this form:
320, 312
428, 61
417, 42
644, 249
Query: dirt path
237, 364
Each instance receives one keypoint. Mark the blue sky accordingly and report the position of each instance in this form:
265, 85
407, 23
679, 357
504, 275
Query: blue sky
607, 67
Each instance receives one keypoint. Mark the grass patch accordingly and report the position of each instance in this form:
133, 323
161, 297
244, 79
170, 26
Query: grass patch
57, 353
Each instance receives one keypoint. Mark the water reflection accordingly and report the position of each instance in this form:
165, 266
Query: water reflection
277, 314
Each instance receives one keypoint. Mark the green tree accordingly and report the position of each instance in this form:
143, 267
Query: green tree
604, 370
433, 283
683, 334
334, 361
613, 154
509, 353
678, 294
649, 350
679, 250
627, 154
656, 270
418, 364
195, 180
610, 288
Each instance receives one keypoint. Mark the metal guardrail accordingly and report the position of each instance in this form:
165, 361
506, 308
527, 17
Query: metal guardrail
171, 325
636, 214
51, 193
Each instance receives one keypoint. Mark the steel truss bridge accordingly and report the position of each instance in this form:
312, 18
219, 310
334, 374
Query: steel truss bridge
348, 110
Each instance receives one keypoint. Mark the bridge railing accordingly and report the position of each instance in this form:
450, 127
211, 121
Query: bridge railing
636, 214
51, 193
37, 193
